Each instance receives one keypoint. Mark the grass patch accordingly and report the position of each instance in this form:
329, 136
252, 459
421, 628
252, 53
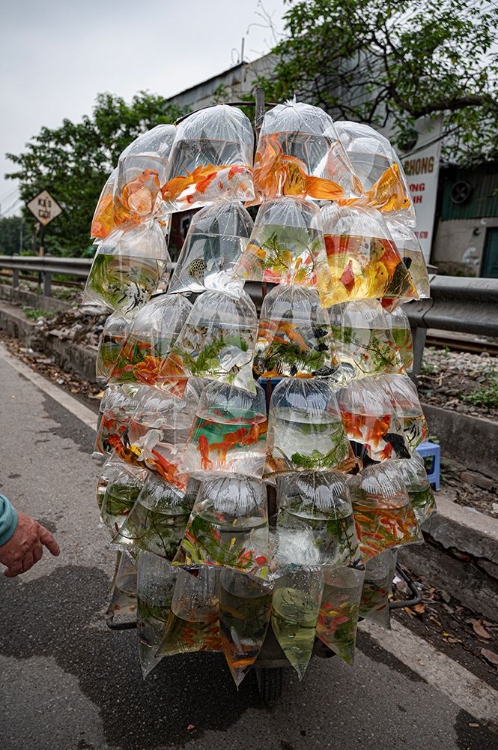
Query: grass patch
35, 313
487, 394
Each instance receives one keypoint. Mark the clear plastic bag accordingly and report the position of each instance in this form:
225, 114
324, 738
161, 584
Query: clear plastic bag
373, 430
316, 508
113, 336
149, 340
193, 623
379, 170
123, 586
159, 429
383, 513
402, 393
103, 219
116, 409
294, 335
363, 339
377, 587
299, 154
305, 430
215, 241
158, 520
211, 159
287, 246
412, 256
156, 581
127, 267
295, 609
418, 487
229, 432
402, 335
363, 260
229, 526
217, 341
245, 611
339, 610
121, 493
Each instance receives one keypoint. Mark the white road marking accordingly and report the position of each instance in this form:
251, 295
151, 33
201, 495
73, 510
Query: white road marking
80, 411
446, 675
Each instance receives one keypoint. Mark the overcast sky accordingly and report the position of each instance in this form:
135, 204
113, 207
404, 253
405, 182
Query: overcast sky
57, 55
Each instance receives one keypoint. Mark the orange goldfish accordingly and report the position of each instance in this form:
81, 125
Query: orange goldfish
229, 441
103, 220
278, 173
207, 182
203, 448
293, 335
137, 198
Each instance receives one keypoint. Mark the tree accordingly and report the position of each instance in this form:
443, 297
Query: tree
73, 162
386, 62
15, 235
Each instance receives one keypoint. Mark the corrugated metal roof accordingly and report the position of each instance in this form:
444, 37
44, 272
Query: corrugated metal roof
482, 202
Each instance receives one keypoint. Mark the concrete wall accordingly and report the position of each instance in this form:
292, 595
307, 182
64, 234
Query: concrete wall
457, 250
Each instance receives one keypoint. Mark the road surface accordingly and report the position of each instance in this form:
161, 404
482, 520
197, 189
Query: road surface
68, 683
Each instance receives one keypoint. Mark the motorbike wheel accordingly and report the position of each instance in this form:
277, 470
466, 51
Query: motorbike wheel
270, 683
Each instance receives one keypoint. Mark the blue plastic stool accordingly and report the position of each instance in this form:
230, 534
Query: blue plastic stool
431, 453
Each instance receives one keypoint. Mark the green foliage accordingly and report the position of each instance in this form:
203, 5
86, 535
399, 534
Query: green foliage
487, 395
381, 60
15, 236
73, 162
35, 313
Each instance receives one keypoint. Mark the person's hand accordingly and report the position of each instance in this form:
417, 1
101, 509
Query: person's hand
25, 546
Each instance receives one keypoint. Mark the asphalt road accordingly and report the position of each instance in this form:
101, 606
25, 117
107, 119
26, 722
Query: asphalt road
68, 683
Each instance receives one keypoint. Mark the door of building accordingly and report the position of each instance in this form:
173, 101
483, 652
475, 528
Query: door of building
490, 260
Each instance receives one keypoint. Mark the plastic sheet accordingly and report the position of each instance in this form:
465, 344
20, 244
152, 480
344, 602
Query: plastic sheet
211, 159
305, 430
300, 154
127, 267
363, 260
383, 513
228, 434
287, 246
363, 340
316, 509
158, 520
379, 170
295, 609
402, 393
149, 340
229, 526
373, 430
217, 341
294, 337
216, 238
339, 610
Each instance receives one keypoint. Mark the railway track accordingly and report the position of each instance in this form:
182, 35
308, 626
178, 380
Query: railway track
461, 342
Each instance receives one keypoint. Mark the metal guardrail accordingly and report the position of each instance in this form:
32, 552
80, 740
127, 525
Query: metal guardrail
461, 304
47, 266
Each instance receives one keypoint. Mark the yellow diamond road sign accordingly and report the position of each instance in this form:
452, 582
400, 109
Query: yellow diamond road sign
44, 208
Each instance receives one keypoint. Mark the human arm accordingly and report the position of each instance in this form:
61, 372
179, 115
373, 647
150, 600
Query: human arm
23, 540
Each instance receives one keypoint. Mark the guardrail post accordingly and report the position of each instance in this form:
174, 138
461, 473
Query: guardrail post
15, 278
47, 284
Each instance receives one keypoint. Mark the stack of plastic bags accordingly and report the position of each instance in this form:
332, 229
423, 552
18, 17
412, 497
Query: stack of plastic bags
211, 410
